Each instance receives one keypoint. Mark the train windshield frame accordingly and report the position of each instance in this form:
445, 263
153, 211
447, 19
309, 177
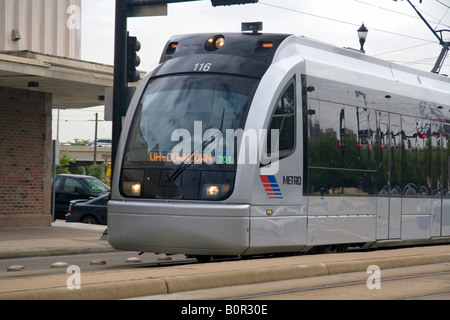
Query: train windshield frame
180, 118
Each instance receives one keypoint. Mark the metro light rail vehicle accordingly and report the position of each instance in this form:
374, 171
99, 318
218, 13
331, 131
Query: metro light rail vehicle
251, 143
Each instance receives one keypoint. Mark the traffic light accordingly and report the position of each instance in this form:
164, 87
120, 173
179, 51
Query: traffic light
133, 60
216, 3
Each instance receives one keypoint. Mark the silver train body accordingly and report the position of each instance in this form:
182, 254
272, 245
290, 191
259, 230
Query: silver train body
363, 156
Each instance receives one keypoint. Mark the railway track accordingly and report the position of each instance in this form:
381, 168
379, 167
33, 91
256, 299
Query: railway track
408, 287
426, 282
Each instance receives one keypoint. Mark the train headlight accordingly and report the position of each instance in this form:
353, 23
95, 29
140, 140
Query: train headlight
132, 188
214, 43
213, 191
220, 41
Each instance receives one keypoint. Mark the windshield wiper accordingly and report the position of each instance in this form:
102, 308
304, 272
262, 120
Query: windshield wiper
183, 166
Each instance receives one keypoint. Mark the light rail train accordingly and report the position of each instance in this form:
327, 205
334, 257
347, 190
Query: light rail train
254, 143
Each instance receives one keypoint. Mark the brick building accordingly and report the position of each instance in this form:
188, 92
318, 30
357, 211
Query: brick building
39, 70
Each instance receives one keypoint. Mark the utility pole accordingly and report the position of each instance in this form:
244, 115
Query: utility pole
95, 138
120, 72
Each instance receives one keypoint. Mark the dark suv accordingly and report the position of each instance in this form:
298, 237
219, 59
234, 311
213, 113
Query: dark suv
73, 187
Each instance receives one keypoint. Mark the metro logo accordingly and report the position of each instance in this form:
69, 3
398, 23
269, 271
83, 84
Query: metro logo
271, 186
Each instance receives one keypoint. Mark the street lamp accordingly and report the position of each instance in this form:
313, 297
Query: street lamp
362, 34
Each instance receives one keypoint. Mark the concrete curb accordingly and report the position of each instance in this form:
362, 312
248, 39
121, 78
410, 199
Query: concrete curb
252, 276
25, 253
164, 285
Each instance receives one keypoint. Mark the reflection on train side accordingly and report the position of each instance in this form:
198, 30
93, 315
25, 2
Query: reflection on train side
357, 151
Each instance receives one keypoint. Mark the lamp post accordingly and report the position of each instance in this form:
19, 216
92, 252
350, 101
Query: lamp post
362, 34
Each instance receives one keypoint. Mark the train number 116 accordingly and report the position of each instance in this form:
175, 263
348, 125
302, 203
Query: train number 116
202, 66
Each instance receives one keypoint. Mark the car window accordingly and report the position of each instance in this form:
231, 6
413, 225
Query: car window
58, 182
72, 186
95, 185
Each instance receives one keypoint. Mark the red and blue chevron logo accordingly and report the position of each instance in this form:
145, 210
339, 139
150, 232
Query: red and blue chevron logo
271, 186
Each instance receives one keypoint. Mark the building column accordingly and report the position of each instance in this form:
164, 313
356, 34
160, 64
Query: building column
25, 158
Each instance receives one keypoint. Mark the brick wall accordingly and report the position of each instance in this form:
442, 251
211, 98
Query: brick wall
25, 158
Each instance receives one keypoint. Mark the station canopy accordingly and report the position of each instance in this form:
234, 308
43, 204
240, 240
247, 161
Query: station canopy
72, 83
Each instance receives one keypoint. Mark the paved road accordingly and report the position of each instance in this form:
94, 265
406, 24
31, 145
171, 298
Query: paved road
92, 261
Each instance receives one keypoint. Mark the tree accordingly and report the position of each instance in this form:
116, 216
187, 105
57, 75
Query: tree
80, 142
95, 170
64, 163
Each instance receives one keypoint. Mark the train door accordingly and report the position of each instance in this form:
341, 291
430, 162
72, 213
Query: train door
416, 166
446, 180
342, 169
395, 202
436, 177
383, 157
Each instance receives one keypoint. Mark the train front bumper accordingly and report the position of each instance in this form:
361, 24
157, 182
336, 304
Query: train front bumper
189, 228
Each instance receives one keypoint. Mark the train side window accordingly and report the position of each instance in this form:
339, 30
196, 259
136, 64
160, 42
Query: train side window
435, 175
283, 119
382, 157
396, 143
445, 156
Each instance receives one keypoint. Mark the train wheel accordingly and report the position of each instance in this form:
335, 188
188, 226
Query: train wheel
329, 249
203, 259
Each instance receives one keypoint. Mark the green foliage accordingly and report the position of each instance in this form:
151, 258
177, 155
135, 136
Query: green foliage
80, 170
80, 142
95, 170
64, 163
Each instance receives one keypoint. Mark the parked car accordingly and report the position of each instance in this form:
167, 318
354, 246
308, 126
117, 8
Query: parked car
101, 143
70, 187
92, 211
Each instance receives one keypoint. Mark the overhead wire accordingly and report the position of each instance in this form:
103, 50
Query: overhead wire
434, 20
386, 9
448, 6
403, 49
340, 21
356, 25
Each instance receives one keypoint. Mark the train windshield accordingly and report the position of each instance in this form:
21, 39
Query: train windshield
183, 119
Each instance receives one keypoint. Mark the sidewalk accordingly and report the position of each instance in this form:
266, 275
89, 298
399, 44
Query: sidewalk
59, 239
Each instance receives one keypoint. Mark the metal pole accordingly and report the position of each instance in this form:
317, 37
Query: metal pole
54, 145
441, 42
440, 60
445, 45
95, 141
120, 72
54, 179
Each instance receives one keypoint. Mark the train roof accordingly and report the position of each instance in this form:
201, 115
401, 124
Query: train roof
246, 54
351, 66
378, 84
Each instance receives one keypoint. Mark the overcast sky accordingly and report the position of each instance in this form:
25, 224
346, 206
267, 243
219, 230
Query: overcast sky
396, 33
